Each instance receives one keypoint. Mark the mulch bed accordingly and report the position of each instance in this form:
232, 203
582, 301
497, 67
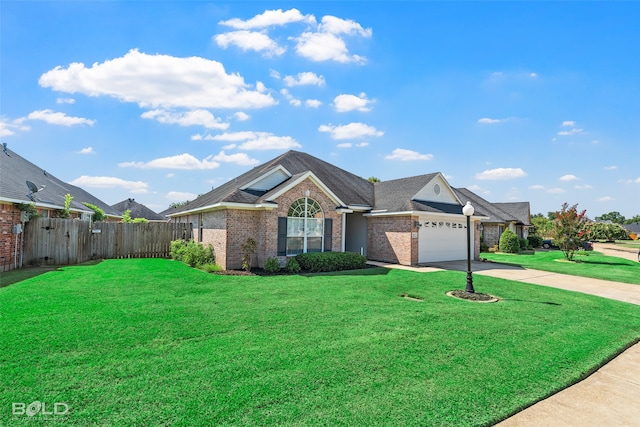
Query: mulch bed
476, 296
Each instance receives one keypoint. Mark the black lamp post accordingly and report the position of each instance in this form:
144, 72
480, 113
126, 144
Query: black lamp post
467, 210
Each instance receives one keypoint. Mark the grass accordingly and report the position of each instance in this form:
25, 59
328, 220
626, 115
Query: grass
594, 265
14, 276
153, 342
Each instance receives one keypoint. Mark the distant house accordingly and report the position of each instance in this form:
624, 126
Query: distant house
633, 228
298, 203
137, 210
514, 216
23, 184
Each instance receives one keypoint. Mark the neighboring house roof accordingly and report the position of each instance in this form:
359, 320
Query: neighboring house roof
137, 210
521, 211
15, 171
265, 182
634, 227
496, 212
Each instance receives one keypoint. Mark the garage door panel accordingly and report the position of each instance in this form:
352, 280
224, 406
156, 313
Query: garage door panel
442, 239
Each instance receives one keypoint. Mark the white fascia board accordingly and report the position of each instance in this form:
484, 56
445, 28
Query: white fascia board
266, 174
316, 180
385, 213
421, 213
226, 205
359, 208
344, 210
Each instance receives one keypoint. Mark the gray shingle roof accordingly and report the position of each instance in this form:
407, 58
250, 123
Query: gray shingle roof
16, 170
349, 188
138, 210
396, 196
497, 212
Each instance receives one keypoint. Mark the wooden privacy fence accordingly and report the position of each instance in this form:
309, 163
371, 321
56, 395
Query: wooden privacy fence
57, 241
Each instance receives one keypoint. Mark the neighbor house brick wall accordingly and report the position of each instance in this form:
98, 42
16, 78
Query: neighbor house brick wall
390, 240
9, 216
491, 233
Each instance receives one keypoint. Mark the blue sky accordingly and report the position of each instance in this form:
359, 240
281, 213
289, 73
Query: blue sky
161, 101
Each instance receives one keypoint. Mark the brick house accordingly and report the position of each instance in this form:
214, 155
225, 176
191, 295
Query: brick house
48, 201
298, 203
515, 216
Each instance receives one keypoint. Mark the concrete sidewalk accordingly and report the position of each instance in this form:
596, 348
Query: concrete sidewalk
608, 397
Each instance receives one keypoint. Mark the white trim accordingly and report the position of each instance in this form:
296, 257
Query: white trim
358, 208
316, 180
226, 205
449, 188
266, 174
343, 245
422, 213
44, 205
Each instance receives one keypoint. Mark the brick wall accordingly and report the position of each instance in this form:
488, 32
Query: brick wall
390, 240
9, 216
491, 234
242, 224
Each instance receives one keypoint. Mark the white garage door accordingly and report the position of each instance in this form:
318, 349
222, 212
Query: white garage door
442, 239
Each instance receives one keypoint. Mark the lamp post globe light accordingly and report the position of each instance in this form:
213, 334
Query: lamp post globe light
467, 210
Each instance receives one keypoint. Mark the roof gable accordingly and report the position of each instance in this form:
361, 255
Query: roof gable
268, 180
438, 190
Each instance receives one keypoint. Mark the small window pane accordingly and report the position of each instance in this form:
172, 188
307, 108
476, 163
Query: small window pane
295, 245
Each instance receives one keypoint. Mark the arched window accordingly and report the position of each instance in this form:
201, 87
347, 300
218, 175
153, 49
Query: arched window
305, 227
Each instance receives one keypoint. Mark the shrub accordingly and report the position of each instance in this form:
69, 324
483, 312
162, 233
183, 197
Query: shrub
292, 266
524, 243
331, 261
211, 267
534, 241
509, 242
272, 265
191, 253
178, 248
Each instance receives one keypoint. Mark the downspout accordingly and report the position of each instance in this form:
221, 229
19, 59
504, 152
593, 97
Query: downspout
343, 243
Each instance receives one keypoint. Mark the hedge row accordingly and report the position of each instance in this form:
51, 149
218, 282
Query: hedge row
316, 262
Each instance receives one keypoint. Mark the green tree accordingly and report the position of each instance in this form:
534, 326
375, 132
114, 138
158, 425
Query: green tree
98, 214
373, 179
570, 230
615, 217
632, 219
66, 211
543, 226
607, 231
126, 216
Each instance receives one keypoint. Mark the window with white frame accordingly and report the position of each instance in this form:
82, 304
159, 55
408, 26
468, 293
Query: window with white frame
305, 227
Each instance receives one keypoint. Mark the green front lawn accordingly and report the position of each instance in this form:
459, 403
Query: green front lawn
153, 342
594, 264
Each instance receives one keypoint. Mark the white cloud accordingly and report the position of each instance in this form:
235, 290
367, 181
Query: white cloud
344, 145
606, 199
10, 127
568, 177
249, 140
362, 144
189, 118
306, 78
171, 175
87, 150
274, 74
476, 188
327, 44
536, 187
179, 196
159, 81
65, 101
555, 190
241, 159
270, 18
250, 40
569, 132
270, 142
583, 187
346, 102
313, 103
181, 161
241, 116
110, 182
405, 155
486, 120
292, 100
610, 168
54, 118
568, 123
350, 131
501, 173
